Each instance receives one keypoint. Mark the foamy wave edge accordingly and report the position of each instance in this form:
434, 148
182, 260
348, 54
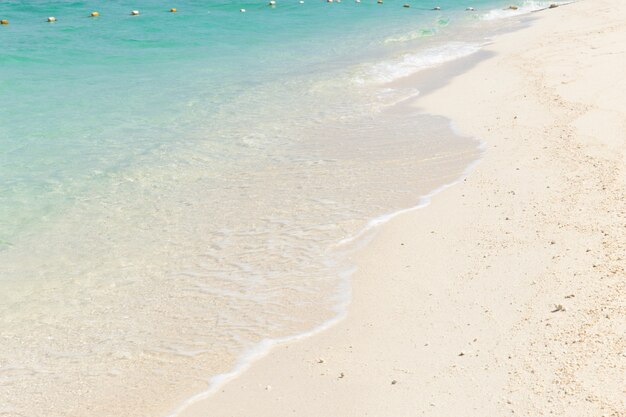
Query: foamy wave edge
264, 347
525, 8
411, 63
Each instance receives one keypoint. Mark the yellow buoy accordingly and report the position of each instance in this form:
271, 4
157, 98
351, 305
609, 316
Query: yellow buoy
95, 14
173, 10
4, 22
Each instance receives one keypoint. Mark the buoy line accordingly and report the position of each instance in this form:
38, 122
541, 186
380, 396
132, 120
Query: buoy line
271, 3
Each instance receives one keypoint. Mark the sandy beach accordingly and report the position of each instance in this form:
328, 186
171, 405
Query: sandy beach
506, 294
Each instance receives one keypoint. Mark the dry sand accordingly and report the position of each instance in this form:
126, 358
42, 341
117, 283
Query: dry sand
453, 310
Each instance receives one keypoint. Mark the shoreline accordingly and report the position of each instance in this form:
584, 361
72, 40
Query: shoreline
301, 366
360, 239
356, 242
428, 80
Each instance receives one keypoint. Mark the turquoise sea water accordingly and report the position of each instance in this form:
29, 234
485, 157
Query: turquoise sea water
173, 186
85, 97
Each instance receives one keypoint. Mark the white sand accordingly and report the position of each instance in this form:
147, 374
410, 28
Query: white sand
454, 302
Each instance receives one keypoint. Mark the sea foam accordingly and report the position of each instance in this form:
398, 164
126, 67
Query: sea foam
525, 8
411, 63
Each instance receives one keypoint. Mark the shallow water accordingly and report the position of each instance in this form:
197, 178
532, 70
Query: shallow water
174, 186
